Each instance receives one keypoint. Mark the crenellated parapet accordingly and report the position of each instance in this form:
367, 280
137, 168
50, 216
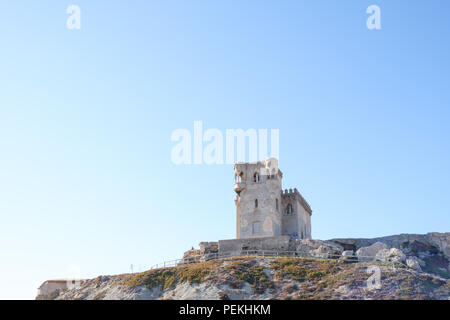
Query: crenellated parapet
296, 195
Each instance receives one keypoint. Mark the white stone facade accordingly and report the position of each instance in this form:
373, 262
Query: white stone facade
263, 209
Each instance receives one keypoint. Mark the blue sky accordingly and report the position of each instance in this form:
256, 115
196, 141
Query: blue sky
86, 178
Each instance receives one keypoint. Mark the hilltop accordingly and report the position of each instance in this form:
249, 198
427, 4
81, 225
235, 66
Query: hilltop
408, 266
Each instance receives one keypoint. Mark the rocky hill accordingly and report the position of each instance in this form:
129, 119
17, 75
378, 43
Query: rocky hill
407, 267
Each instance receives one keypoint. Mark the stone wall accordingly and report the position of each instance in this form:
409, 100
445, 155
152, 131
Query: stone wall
240, 246
51, 286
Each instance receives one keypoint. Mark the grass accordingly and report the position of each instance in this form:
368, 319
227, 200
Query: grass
304, 269
247, 271
168, 277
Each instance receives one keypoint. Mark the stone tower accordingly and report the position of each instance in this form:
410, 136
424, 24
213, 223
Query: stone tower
258, 200
262, 208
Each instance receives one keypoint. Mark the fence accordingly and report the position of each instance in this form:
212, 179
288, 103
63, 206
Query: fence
261, 253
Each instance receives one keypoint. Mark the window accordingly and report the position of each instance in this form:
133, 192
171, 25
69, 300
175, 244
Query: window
240, 178
276, 204
289, 209
256, 177
256, 203
257, 227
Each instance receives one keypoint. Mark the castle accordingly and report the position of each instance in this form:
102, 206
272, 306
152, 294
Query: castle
263, 209
268, 219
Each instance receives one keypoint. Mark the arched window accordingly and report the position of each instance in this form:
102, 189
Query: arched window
240, 178
256, 203
289, 209
256, 177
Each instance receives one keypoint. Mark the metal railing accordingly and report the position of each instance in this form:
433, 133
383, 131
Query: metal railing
264, 254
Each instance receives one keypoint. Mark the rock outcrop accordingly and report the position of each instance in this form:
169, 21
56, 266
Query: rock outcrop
431, 251
207, 251
369, 253
413, 263
433, 240
390, 255
317, 248
348, 256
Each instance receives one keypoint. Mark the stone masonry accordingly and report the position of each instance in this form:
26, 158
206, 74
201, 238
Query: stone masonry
263, 209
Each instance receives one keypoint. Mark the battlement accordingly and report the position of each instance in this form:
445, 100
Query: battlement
295, 194
289, 192
267, 167
248, 175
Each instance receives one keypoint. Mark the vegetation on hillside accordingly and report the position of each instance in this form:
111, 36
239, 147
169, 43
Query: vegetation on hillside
265, 278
